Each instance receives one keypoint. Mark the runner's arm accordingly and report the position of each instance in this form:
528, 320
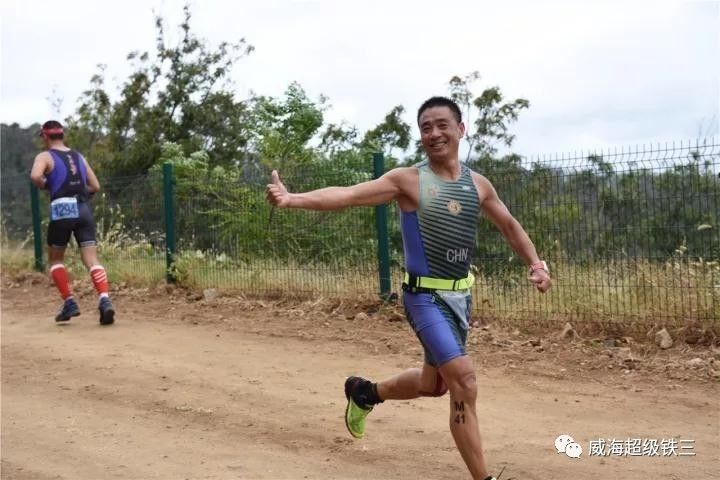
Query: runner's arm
511, 229
39, 169
513, 232
92, 181
370, 193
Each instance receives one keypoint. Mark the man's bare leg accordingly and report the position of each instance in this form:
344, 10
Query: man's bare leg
461, 381
412, 383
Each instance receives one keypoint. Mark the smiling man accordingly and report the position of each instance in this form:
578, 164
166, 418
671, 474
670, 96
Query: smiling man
440, 200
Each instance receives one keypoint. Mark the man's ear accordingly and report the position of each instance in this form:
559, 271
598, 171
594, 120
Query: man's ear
461, 125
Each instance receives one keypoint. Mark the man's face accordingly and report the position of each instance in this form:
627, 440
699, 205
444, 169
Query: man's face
440, 133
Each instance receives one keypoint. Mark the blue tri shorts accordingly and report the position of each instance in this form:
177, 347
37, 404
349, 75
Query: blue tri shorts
83, 227
441, 321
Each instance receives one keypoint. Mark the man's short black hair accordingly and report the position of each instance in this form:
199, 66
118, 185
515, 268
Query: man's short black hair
53, 129
440, 102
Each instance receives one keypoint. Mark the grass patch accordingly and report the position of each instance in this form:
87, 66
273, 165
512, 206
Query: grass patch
623, 294
16, 259
673, 293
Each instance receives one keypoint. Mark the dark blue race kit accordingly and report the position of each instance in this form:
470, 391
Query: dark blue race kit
70, 212
438, 240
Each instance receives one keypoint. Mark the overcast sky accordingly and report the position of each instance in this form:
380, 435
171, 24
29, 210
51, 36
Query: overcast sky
596, 73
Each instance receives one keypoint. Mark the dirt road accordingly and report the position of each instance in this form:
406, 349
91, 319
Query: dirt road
178, 390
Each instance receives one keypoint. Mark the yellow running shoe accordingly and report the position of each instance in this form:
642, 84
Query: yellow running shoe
355, 415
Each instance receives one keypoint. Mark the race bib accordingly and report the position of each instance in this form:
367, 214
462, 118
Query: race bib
64, 208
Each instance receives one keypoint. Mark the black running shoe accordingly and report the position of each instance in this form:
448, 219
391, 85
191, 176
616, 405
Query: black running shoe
69, 309
107, 312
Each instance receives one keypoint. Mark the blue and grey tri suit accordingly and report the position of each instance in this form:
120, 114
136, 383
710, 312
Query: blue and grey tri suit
69, 208
438, 240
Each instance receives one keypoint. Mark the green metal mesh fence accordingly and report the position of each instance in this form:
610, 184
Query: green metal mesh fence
632, 236
15, 210
229, 237
131, 230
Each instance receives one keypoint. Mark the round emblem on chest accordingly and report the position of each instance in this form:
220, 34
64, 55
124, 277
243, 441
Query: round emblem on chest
454, 207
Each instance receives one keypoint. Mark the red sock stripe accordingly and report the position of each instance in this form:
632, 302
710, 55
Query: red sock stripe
99, 278
60, 277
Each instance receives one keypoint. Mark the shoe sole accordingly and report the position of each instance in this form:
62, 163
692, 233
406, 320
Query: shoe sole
107, 317
349, 382
347, 425
67, 318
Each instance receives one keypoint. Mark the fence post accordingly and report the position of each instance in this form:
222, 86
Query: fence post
383, 242
37, 231
168, 196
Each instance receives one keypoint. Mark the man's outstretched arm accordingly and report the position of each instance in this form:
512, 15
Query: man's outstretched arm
373, 192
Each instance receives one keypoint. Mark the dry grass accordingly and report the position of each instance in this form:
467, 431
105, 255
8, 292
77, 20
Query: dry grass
676, 292
623, 294
15, 259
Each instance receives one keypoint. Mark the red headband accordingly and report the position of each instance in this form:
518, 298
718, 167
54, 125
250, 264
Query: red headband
52, 131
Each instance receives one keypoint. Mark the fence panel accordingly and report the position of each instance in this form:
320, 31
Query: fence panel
230, 237
130, 228
632, 236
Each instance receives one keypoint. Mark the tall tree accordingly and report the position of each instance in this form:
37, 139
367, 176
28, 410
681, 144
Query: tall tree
281, 129
487, 116
338, 138
180, 94
391, 134
19, 147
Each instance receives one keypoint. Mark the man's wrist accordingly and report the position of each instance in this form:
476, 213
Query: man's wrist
540, 265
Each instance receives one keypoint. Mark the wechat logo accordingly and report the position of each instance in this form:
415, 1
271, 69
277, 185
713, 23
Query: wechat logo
565, 444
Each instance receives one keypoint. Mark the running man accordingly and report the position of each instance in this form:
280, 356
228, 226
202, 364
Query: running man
70, 181
440, 200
